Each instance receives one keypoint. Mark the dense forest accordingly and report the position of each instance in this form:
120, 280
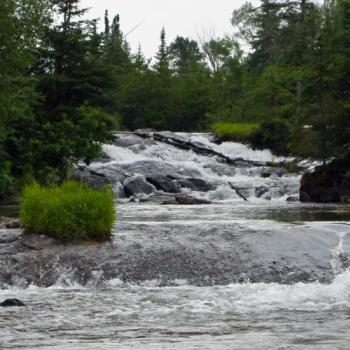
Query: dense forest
66, 84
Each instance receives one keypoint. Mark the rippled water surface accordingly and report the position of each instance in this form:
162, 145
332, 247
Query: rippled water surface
232, 274
147, 315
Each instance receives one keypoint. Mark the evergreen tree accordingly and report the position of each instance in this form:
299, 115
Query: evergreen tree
184, 54
162, 56
73, 117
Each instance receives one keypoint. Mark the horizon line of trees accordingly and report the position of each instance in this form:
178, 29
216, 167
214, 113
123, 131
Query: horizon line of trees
65, 85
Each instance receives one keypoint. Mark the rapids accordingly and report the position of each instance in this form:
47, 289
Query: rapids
233, 274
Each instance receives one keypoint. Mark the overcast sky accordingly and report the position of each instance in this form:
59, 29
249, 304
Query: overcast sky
179, 17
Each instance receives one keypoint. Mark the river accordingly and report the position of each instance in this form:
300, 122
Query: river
258, 274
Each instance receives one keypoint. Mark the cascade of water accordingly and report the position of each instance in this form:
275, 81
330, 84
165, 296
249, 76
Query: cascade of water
191, 171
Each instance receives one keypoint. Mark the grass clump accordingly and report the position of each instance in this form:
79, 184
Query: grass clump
71, 211
238, 132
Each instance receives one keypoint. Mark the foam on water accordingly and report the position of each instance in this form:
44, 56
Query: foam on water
208, 168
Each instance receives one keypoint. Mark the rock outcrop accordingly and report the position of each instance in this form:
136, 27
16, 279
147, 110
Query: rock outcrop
327, 184
11, 303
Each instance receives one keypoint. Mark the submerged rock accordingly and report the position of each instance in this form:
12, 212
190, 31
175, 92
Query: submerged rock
12, 303
38, 242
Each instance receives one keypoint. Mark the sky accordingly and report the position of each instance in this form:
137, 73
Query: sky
188, 18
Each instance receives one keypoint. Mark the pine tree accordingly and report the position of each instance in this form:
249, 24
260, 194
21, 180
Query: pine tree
162, 56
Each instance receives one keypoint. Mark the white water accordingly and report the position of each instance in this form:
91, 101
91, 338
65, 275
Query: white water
112, 314
248, 316
188, 163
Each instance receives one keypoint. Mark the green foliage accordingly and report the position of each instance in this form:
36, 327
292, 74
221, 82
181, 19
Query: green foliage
234, 132
273, 134
72, 211
64, 85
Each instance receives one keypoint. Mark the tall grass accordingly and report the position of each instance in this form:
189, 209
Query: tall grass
72, 211
239, 132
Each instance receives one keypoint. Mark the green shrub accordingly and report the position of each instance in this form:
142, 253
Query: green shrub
239, 132
273, 134
72, 211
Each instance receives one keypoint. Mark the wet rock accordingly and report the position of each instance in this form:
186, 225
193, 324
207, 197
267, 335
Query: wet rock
9, 223
164, 183
153, 168
292, 199
128, 140
260, 191
11, 303
196, 184
327, 184
271, 171
188, 200
95, 180
13, 224
39, 242
137, 185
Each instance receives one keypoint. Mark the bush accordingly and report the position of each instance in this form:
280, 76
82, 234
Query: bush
273, 134
239, 132
72, 211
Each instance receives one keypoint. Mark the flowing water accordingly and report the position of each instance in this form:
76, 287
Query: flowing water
233, 274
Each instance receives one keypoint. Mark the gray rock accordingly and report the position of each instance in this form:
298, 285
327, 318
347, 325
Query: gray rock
95, 180
9, 223
327, 184
260, 191
137, 185
292, 199
271, 171
188, 200
164, 183
12, 303
13, 224
196, 184
38, 242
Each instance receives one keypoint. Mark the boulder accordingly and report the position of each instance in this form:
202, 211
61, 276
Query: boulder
11, 303
164, 183
13, 224
196, 184
327, 184
137, 185
85, 175
260, 191
188, 200
292, 199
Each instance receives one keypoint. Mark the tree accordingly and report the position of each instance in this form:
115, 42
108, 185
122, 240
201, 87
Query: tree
22, 24
162, 56
73, 118
184, 54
